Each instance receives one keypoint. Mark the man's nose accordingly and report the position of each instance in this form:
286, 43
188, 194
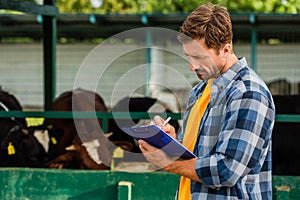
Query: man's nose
192, 67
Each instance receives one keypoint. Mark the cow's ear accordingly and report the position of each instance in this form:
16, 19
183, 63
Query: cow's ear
25, 131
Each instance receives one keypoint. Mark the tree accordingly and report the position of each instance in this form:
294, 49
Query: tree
175, 6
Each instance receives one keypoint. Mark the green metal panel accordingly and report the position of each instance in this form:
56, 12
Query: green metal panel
55, 184
75, 114
48, 184
102, 115
286, 187
287, 118
117, 115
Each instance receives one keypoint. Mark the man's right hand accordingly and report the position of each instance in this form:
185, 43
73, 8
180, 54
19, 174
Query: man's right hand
169, 129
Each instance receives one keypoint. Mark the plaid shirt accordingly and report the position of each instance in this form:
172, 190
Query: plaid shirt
234, 139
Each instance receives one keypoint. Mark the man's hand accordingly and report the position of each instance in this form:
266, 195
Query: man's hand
159, 158
169, 129
154, 155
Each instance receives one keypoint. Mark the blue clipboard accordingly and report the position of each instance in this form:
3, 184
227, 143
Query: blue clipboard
159, 139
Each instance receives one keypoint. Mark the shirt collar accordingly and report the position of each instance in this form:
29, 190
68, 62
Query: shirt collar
222, 81
219, 83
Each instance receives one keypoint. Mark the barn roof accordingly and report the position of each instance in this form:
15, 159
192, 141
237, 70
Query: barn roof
106, 25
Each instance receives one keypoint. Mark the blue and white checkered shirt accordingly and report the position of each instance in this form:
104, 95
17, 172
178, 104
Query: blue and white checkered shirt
234, 138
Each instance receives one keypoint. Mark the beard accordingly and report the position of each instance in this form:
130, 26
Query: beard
204, 73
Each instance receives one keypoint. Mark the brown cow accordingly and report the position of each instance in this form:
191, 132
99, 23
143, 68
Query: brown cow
83, 144
74, 149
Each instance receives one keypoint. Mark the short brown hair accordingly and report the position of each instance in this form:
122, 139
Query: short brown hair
208, 21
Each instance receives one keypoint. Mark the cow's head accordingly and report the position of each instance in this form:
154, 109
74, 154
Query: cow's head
47, 138
93, 154
21, 148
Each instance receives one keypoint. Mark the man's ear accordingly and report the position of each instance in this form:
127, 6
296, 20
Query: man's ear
226, 50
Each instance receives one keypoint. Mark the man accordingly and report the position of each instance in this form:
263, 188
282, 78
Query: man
228, 121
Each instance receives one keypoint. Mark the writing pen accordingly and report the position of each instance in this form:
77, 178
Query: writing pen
166, 121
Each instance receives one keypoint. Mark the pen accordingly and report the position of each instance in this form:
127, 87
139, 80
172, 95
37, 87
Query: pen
166, 121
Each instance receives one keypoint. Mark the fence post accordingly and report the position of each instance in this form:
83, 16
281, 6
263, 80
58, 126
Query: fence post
148, 60
49, 40
253, 41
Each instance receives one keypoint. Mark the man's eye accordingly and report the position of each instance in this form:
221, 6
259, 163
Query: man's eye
200, 58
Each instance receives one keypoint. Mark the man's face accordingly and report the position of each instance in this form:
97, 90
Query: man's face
205, 62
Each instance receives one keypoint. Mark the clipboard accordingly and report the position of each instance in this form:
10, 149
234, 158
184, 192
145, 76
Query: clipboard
159, 139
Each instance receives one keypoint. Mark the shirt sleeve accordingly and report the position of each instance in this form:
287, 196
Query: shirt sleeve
244, 139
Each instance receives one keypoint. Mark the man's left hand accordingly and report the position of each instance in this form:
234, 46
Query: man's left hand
154, 155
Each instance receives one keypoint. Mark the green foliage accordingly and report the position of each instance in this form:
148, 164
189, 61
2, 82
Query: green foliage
172, 6
264, 6
74, 6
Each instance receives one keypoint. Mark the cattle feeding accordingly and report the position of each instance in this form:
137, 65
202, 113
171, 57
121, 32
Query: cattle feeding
77, 143
83, 144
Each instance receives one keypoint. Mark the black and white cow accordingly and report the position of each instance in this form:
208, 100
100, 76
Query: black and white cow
20, 146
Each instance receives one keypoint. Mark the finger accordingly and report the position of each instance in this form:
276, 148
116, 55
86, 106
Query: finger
166, 128
142, 145
169, 129
152, 122
146, 146
143, 150
140, 142
158, 120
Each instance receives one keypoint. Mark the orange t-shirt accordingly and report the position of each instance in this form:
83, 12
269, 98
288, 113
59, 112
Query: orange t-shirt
190, 136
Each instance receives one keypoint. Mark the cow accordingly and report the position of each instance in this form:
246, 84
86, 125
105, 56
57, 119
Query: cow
86, 155
20, 146
286, 137
76, 148
135, 104
82, 144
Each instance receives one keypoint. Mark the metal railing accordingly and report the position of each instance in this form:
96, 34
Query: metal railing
105, 116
